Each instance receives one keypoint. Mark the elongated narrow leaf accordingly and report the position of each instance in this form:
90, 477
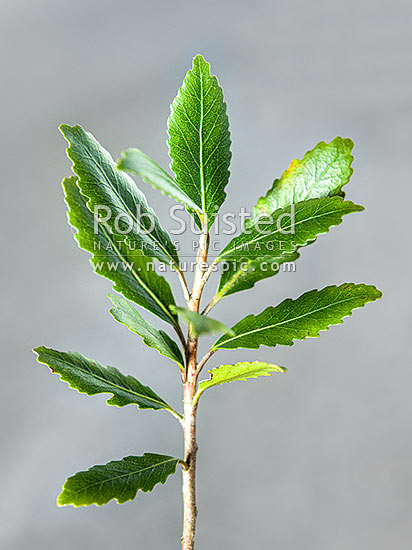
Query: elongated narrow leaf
199, 139
322, 172
238, 372
92, 378
136, 162
119, 480
131, 272
126, 314
200, 323
289, 229
116, 197
298, 319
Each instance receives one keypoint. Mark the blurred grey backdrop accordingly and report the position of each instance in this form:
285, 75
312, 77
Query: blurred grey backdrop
317, 459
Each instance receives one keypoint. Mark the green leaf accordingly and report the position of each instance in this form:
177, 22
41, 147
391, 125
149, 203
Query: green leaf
118, 479
129, 217
322, 172
136, 162
126, 314
298, 319
238, 372
199, 140
90, 377
131, 272
200, 323
289, 229
244, 274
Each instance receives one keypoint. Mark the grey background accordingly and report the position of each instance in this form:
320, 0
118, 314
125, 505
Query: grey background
317, 459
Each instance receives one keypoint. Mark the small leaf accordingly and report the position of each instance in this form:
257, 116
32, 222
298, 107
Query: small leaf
199, 140
128, 315
298, 319
118, 479
131, 272
200, 323
289, 229
244, 274
237, 372
136, 162
129, 218
92, 378
322, 172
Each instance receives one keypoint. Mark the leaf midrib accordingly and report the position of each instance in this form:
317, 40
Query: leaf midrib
121, 476
136, 276
225, 253
289, 320
158, 337
124, 389
241, 377
125, 206
322, 175
201, 166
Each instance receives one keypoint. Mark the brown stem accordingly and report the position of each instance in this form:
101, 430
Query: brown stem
183, 282
190, 408
189, 474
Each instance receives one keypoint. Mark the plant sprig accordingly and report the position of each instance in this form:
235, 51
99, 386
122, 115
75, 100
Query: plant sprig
110, 216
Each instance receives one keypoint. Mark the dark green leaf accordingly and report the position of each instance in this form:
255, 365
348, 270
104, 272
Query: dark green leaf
136, 162
129, 217
289, 229
131, 272
243, 274
199, 139
126, 314
92, 378
119, 480
298, 319
200, 323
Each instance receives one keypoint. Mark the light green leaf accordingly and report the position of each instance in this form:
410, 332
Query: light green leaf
289, 229
322, 172
129, 217
92, 378
118, 479
199, 139
136, 162
298, 319
200, 323
126, 314
131, 272
237, 372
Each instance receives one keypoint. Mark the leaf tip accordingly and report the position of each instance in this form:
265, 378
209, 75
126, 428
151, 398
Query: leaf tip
199, 59
65, 129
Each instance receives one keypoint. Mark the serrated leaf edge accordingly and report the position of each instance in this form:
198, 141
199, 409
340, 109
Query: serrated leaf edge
301, 244
167, 407
113, 309
189, 203
315, 335
171, 459
203, 213
322, 144
76, 231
